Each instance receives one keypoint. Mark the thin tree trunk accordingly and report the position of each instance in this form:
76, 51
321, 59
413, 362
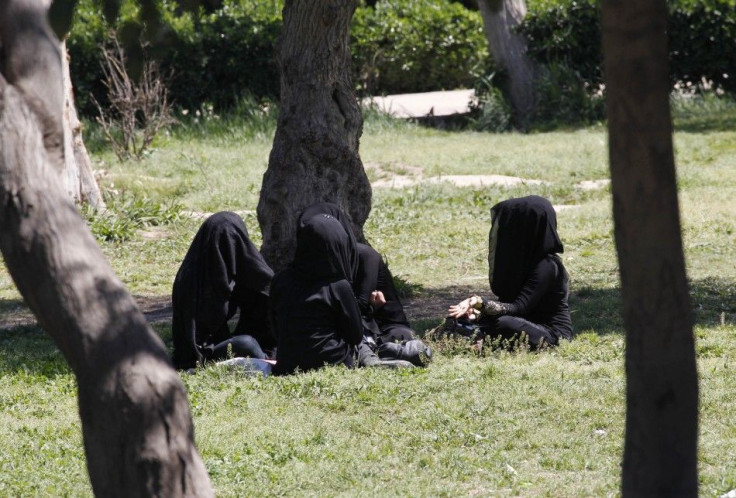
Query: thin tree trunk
660, 451
315, 151
80, 181
509, 50
138, 433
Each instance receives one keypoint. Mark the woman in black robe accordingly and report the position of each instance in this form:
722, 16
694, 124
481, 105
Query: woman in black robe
383, 314
222, 273
314, 312
526, 274
378, 302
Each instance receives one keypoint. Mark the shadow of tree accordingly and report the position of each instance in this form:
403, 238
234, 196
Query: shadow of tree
593, 309
28, 349
706, 123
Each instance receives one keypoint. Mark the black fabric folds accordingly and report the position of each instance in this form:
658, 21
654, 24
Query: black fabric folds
526, 234
314, 312
222, 272
334, 211
324, 251
373, 274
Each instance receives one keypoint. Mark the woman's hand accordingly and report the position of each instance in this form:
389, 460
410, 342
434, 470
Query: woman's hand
377, 299
466, 309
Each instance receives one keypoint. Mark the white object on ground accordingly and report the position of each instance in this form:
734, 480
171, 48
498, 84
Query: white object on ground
250, 365
419, 105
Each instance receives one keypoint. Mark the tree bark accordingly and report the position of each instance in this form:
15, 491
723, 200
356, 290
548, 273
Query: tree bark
138, 433
509, 50
660, 451
81, 185
315, 151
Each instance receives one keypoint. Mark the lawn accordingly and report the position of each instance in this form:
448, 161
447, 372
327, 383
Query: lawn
529, 424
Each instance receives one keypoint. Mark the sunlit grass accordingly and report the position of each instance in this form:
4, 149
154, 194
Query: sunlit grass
548, 424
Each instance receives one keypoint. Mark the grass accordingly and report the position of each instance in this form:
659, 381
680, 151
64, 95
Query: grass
548, 424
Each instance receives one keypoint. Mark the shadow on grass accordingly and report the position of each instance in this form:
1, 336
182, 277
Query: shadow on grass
593, 309
598, 310
702, 124
26, 348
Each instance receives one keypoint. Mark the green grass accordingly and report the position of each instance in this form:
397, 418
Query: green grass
548, 424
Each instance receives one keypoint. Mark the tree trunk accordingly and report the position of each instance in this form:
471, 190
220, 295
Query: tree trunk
138, 433
315, 150
500, 19
660, 451
80, 182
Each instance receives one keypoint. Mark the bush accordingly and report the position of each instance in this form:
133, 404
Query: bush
702, 39
402, 46
214, 58
218, 58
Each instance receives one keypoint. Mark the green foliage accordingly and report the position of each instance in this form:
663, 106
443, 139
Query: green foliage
491, 111
564, 98
126, 214
222, 56
702, 39
402, 46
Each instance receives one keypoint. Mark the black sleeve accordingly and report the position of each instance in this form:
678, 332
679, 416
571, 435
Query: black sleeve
274, 301
350, 324
366, 280
539, 283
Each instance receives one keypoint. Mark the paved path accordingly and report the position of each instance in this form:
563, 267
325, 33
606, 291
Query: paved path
418, 105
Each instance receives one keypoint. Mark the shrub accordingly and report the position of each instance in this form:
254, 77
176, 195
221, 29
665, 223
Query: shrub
404, 46
218, 58
702, 39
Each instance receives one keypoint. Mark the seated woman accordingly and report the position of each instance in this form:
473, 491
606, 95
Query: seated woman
222, 273
367, 269
526, 274
313, 309
383, 314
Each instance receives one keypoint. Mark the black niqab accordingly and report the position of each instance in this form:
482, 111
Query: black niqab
333, 210
527, 233
221, 270
323, 250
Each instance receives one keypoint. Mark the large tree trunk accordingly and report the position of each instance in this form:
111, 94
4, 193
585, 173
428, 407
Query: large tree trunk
315, 150
660, 452
509, 50
138, 433
79, 180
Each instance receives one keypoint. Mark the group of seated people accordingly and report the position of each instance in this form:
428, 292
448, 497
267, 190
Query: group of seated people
336, 303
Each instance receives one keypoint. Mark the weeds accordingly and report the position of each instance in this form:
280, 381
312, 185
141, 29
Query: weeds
126, 214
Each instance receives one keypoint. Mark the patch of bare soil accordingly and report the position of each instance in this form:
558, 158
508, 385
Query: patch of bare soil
154, 308
429, 304
432, 304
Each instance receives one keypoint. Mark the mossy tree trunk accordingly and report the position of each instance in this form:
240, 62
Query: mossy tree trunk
660, 450
509, 50
137, 430
315, 151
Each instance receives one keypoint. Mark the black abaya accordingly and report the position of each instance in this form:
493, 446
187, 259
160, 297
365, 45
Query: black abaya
526, 273
222, 272
314, 312
390, 319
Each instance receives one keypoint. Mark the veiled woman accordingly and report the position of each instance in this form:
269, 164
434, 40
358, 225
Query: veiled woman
314, 312
222, 273
526, 275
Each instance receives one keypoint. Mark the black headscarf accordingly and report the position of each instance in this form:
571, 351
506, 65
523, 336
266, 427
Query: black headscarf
334, 211
525, 233
323, 250
222, 267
